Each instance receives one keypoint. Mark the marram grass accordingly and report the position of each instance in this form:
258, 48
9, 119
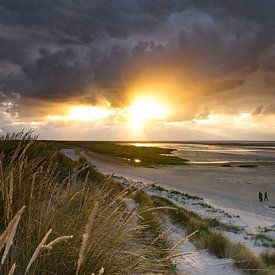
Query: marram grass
62, 217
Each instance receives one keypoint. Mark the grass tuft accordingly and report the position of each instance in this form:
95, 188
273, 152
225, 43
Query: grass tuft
268, 258
217, 244
245, 259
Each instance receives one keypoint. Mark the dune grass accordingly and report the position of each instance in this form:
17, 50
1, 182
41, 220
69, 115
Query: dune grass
217, 244
191, 220
58, 216
208, 237
246, 260
222, 247
152, 226
269, 258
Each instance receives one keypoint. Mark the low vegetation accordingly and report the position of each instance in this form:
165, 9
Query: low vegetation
269, 258
62, 217
217, 244
141, 156
191, 220
209, 237
265, 240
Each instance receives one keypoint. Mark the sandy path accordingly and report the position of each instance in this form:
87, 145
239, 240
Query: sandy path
233, 189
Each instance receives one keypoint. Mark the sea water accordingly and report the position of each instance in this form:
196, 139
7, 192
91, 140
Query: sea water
220, 152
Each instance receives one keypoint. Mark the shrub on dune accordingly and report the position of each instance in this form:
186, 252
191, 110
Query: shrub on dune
268, 258
246, 259
217, 244
243, 258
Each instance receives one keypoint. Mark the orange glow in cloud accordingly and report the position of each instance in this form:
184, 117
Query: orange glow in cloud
83, 113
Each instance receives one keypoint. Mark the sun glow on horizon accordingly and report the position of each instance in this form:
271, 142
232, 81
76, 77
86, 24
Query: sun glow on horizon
143, 110
83, 113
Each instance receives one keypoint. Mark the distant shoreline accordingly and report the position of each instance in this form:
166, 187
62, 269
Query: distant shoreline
203, 142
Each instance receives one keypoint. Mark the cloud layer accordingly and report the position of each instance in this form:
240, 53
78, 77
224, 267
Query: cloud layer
220, 53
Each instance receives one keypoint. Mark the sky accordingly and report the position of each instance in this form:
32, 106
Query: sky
138, 69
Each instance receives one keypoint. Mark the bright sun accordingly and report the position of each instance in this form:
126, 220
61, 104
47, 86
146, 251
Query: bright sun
143, 110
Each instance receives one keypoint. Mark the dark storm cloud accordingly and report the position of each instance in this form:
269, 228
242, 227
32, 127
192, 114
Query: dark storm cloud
54, 50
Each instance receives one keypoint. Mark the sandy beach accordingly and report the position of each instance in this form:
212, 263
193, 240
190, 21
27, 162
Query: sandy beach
232, 189
228, 194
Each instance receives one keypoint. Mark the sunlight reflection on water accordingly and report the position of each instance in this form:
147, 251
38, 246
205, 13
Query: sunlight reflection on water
218, 153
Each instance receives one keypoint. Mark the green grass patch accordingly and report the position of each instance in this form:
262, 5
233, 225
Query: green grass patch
265, 240
186, 195
140, 156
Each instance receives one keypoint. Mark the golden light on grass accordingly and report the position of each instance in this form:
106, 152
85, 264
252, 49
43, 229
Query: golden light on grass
83, 113
143, 110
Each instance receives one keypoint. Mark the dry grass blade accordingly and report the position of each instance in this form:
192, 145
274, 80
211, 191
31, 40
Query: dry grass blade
12, 269
86, 236
1, 177
161, 236
8, 235
80, 171
10, 194
101, 271
37, 250
77, 193
128, 217
158, 208
116, 199
50, 245
183, 241
135, 254
179, 255
142, 188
